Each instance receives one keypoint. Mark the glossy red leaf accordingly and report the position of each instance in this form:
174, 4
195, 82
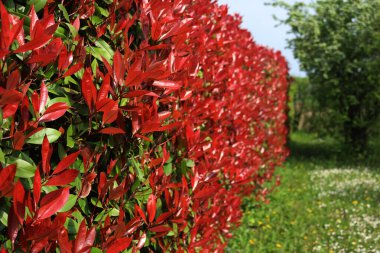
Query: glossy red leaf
43, 97
134, 78
141, 213
151, 207
63, 178
167, 84
54, 112
18, 140
73, 69
36, 43
85, 239
140, 93
66, 162
141, 241
19, 201
10, 97
37, 186
45, 155
109, 108
7, 176
33, 20
104, 88
13, 80
88, 89
52, 203
112, 130
119, 245
13, 225
160, 229
118, 67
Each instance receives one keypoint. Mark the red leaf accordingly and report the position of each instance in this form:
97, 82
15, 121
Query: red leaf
45, 155
64, 242
112, 130
54, 112
18, 140
118, 67
37, 186
19, 201
63, 178
109, 108
7, 176
5, 27
88, 89
9, 97
141, 213
13, 225
66, 162
36, 43
33, 20
36, 102
84, 239
139, 93
119, 245
151, 207
160, 229
73, 69
167, 85
105, 88
43, 97
134, 78
13, 80
142, 241
52, 202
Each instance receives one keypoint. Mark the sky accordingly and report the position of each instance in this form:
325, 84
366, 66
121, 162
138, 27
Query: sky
258, 19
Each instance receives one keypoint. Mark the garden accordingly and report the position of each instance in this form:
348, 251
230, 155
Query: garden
163, 126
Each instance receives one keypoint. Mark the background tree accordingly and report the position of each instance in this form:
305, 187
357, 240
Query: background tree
337, 43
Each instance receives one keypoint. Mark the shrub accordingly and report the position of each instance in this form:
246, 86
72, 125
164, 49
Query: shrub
133, 125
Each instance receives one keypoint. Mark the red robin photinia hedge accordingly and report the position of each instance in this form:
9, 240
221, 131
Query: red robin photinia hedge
133, 125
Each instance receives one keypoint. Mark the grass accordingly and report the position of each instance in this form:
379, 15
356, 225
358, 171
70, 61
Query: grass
324, 204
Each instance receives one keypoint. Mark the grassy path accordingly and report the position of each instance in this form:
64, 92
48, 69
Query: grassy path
321, 206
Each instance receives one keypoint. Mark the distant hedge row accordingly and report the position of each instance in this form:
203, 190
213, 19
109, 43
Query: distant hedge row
132, 125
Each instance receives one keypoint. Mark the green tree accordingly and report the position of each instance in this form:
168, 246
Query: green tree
337, 43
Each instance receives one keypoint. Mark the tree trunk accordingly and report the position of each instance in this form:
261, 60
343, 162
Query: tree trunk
356, 134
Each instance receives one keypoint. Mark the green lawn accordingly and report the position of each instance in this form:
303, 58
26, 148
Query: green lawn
324, 204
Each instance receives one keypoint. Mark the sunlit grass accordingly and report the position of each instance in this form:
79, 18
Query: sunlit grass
321, 206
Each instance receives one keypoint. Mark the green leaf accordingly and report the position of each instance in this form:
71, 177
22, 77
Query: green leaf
24, 169
138, 170
190, 163
84, 206
69, 139
38, 4
37, 138
168, 169
72, 29
2, 156
59, 99
69, 204
95, 202
64, 11
71, 226
96, 250
3, 215
106, 48
114, 212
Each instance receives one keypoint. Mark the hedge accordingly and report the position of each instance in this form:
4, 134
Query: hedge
132, 125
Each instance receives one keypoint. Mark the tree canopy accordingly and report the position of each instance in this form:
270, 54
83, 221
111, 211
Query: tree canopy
337, 43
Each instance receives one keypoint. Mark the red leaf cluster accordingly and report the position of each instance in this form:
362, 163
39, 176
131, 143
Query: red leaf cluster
172, 115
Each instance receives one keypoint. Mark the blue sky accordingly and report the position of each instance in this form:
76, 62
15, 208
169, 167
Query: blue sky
258, 19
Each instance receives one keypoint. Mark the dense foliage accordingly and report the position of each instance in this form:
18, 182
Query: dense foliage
133, 125
337, 43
